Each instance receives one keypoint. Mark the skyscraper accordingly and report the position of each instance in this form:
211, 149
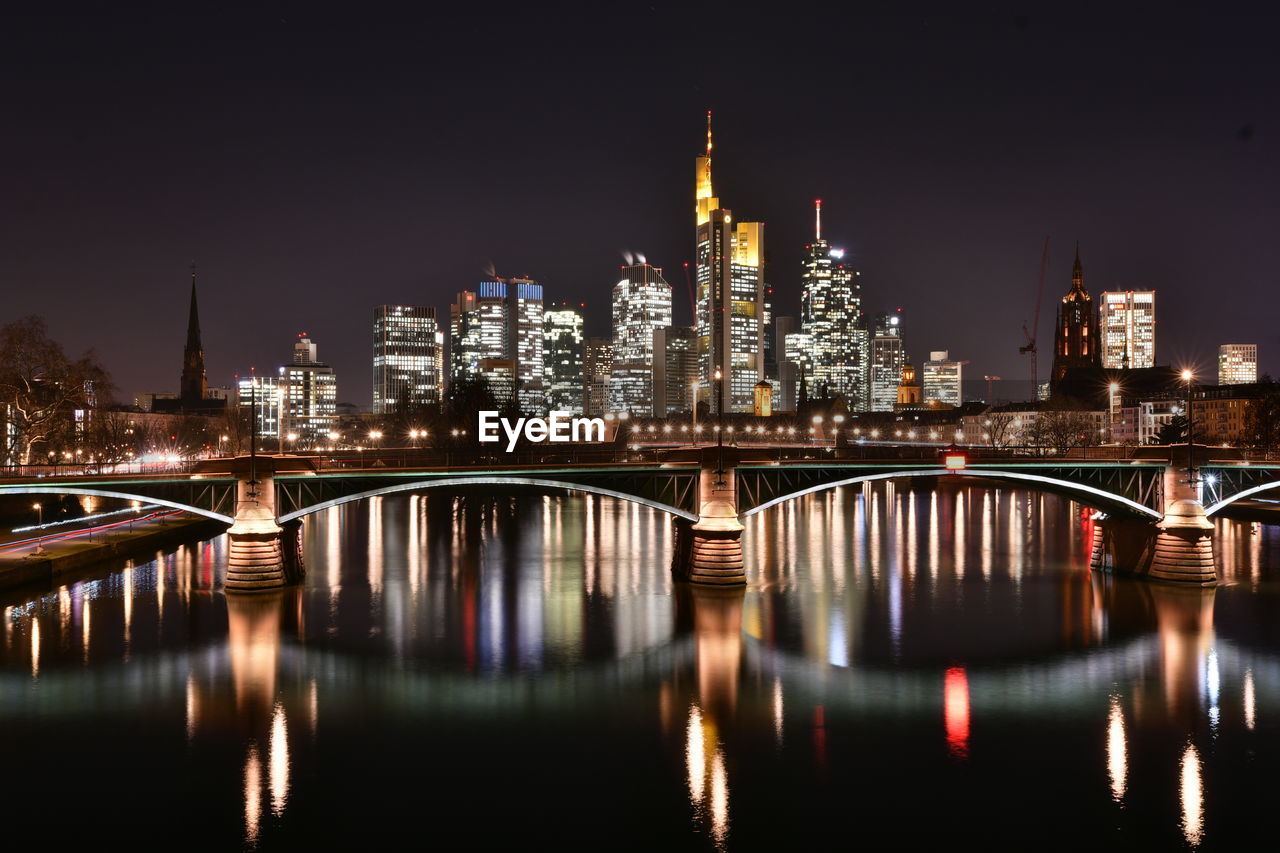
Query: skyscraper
730, 291
1237, 364
1075, 333
641, 303
886, 361
308, 395
942, 380
675, 369
1129, 329
562, 354
831, 313
501, 321
405, 356
597, 362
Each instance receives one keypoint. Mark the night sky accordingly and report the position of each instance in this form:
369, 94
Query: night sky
315, 163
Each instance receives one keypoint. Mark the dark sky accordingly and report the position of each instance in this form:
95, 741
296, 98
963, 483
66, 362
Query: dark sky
318, 161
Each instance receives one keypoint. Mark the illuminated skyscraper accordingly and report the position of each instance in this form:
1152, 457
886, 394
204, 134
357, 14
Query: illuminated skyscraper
886, 361
1129, 329
675, 369
831, 313
942, 380
641, 303
1075, 333
730, 291
501, 321
597, 362
406, 356
1237, 364
308, 396
562, 356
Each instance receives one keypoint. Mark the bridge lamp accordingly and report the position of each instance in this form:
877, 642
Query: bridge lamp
791, 430
910, 434
652, 428
875, 433
933, 435
898, 433
684, 427
1211, 479
666, 427
635, 428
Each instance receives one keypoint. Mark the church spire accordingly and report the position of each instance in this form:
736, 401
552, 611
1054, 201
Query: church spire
194, 386
1077, 271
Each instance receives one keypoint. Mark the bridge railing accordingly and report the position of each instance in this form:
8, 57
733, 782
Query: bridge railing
95, 469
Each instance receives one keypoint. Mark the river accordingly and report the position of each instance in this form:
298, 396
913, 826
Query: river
906, 668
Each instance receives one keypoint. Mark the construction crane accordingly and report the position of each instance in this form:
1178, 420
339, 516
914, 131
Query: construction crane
1030, 347
991, 400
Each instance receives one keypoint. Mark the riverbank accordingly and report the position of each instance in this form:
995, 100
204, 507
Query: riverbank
66, 555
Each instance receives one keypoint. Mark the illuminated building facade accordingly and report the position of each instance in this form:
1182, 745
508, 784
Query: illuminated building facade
831, 314
562, 354
308, 396
598, 363
1129, 329
406, 356
1237, 364
730, 297
1075, 333
675, 369
942, 380
797, 349
886, 361
260, 395
500, 321
641, 304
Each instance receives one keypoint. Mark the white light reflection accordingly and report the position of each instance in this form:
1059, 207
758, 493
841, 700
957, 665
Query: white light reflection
278, 758
35, 647
1213, 683
1250, 707
1117, 751
719, 799
252, 793
777, 709
695, 755
1192, 791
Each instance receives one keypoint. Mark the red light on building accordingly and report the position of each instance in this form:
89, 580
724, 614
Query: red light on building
955, 461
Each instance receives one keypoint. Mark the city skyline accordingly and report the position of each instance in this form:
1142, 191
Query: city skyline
924, 223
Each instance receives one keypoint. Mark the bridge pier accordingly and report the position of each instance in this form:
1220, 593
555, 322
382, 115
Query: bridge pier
256, 559
709, 551
1177, 549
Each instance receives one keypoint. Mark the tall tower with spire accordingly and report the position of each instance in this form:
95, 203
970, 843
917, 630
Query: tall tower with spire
194, 387
730, 289
831, 314
1076, 341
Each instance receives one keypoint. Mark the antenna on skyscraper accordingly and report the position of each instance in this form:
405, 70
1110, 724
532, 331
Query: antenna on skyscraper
817, 219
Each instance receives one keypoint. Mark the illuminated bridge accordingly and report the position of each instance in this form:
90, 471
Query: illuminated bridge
263, 499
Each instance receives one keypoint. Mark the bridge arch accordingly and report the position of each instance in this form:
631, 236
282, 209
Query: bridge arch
536, 482
69, 489
1225, 502
1095, 497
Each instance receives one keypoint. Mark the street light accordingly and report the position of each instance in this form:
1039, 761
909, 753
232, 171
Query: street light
39, 508
817, 428
1191, 472
1113, 389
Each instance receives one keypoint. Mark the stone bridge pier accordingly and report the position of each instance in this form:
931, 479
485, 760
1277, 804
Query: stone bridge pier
1177, 549
709, 551
263, 556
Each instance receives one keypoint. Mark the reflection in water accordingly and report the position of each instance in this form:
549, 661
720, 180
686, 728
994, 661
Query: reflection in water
1249, 699
1117, 750
956, 711
450, 635
1192, 791
278, 750
252, 793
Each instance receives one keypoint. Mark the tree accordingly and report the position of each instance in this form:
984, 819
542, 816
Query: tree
40, 387
1262, 423
1173, 432
1063, 429
999, 430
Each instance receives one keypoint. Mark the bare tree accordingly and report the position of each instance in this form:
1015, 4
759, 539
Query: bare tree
40, 387
999, 430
